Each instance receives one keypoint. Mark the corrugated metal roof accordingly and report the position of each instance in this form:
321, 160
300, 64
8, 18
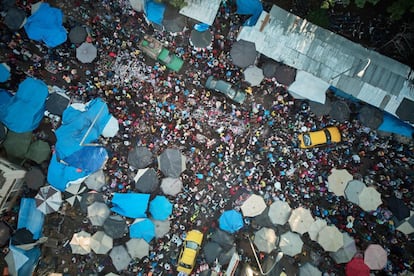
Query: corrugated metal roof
203, 11
296, 42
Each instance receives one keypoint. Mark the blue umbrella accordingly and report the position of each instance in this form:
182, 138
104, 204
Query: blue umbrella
160, 208
142, 229
231, 221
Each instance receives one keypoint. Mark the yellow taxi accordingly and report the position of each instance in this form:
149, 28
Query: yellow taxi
324, 136
188, 255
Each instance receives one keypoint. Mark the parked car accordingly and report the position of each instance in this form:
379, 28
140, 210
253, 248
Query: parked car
235, 94
324, 136
155, 50
188, 255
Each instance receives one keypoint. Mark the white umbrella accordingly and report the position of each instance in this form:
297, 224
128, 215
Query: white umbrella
347, 251
338, 179
290, 243
265, 240
86, 52
309, 269
353, 190
315, 227
253, 75
162, 227
81, 243
330, 238
120, 257
300, 220
98, 212
96, 180
48, 199
369, 199
279, 212
253, 206
171, 186
137, 248
101, 243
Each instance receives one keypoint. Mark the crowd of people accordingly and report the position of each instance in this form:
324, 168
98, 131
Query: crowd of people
232, 150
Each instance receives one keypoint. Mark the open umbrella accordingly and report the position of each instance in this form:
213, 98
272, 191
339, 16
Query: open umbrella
330, 238
140, 157
340, 111
162, 227
137, 248
48, 199
357, 267
146, 180
39, 151
279, 212
101, 243
212, 251
253, 206
407, 225
171, 186
338, 179
57, 102
231, 221
172, 162
290, 243
263, 219
398, 208
17, 144
300, 220
115, 226
371, 116
160, 208
265, 240
5, 233
120, 257
81, 243
73, 193
369, 199
86, 52
347, 251
98, 212
269, 68
320, 109
353, 189
253, 75
34, 178
309, 269
89, 198
78, 34
201, 39
173, 21
96, 180
15, 18
316, 226
375, 257
243, 53
142, 228
223, 238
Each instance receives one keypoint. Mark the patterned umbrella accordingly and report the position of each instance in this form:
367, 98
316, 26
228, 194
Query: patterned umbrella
73, 193
48, 199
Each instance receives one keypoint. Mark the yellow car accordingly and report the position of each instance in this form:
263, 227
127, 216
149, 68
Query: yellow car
327, 135
188, 255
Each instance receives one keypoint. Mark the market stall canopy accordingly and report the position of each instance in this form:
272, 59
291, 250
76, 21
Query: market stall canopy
39, 151
160, 208
142, 228
15, 18
316, 226
250, 7
137, 5
140, 157
223, 238
290, 243
5, 233
340, 111
162, 227
212, 251
231, 221
96, 180
375, 257
171, 186
353, 189
404, 110
98, 212
30, 217
371, 116
17, 144
34, 178
115, 226
154, 11
307, 86
243, 53
309, 269
73, 194
398, 207
20, 261
357, 267
369, 199
321, 109
4, 73
89, 198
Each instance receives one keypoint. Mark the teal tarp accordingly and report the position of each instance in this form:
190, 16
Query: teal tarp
131, 205
30, 217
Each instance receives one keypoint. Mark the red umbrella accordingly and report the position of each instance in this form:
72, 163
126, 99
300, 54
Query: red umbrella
357, 267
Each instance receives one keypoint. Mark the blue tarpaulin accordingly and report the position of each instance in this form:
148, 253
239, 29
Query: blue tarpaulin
4, 72
394, 125
142, 229
30, 217
131, 205
154, 12
22, 262
46, 25
26, 108
201, 27
160, 208
231, 221
59, 175
253, 7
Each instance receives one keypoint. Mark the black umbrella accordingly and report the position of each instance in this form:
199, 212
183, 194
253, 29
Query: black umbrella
140, 157
285, 74
405, 110
321, 109
398, 208
263, 219
56, 103
201, 39
371, 116
22, 236
89, 198
4, 233
223, 238
34, 178
78, 34
269, 69
15, 18
146, 180
115, 226
212, 251
243, 53
340, 111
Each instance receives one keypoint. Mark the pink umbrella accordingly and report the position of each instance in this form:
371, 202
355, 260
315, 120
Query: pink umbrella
375, 257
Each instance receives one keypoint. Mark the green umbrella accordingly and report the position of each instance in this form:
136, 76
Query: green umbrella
17, 144
39, 151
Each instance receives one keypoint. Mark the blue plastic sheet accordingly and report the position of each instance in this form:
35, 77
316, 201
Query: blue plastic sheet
394, 125
231, 221
142, 229
46, 25
26, 108
154, 12
201, 27
253, 7
30, 217
4, 73
160, 208
131, 205
88, 158
23, 261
